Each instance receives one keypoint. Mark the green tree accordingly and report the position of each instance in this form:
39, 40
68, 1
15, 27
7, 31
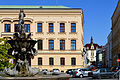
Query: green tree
88, 60
4, 57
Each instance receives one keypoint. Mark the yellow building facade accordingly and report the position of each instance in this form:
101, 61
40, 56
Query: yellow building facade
58, 30
116, 35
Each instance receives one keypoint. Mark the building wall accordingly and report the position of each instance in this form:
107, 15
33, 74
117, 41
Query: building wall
109, 50
90, 56
45, 17
116, 35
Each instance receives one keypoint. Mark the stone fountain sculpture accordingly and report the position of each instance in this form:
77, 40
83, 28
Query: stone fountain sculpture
23, 50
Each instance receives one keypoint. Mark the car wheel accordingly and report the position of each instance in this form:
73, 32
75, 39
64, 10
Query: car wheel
81, 76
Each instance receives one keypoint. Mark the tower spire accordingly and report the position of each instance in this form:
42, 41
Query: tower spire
91, 40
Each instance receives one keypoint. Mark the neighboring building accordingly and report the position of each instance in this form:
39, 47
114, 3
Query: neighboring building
105, 55
109, 51
100, 57
116, 36
58, 30
91, 50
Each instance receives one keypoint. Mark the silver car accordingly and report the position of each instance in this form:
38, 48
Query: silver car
82, 72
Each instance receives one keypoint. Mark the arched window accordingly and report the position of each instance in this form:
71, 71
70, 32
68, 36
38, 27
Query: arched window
73, 61
62, 61
39, 61
51, 61
40, 45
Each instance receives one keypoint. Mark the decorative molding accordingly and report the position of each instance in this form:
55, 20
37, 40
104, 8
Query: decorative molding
61, 21
50, 38
72, 38
6, 20
61, 38
39, 22
72, 21
50, 21
39, 38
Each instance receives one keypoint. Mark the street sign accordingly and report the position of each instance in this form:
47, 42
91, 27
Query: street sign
118, 60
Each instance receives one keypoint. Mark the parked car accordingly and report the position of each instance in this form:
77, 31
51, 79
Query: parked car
115, 69
55, 71
102, 73
83, 72
44, 71
70, 71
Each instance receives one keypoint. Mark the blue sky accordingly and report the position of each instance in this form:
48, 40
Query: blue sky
97, 15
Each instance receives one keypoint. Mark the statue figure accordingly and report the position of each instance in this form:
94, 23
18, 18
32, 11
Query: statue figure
22, 49
21, 22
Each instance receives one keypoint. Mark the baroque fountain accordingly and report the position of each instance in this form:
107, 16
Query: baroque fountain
23, 50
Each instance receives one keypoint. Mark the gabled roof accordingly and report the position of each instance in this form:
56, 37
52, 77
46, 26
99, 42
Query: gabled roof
95, 46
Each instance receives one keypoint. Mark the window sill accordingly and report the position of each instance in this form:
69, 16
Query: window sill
50, 32
61, 32
62, 50
39, 33
72, 32
73, 50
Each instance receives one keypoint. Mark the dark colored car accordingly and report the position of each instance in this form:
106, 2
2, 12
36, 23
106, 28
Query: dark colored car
115, 69
70, 71
103, 73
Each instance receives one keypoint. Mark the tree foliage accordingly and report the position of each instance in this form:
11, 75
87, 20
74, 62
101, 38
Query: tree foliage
4, 57
88, 60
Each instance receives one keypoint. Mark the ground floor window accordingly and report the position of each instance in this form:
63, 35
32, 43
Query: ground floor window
73, 61
51, 61
39, 61
62, 61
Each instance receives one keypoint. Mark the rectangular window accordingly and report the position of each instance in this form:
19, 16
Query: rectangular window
73, 61
62, 27
39, 26
39, 61
50, 27
62, 61
40, 45
51, 44
7, 27
62, 44
51, 61
73, 44
27, 27
16, 28
73, 27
